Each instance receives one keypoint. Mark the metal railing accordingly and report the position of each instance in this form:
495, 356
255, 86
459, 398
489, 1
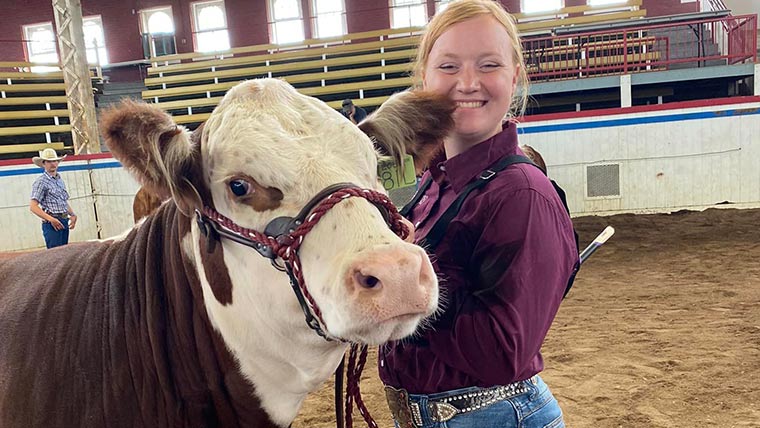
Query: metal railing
699, 43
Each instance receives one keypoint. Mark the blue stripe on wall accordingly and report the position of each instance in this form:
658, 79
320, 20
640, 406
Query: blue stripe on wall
636, 121
62, 168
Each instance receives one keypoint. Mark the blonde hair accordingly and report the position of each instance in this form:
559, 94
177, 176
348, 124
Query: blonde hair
463, 10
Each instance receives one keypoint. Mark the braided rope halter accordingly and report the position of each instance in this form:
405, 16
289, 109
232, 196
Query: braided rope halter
281, 239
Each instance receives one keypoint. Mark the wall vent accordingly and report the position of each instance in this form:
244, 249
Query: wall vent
603, 181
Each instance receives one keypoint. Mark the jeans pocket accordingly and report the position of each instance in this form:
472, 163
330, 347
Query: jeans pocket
542, 412
557, 423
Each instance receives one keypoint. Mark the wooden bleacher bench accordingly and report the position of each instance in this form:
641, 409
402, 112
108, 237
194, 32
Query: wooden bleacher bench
393, 85
289, 56
316, 78
18, 101
30, 148
272, 48
33, 130
33, 114
291, 68
33, 87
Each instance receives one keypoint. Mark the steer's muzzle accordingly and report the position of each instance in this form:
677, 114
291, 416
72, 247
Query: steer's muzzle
394, 286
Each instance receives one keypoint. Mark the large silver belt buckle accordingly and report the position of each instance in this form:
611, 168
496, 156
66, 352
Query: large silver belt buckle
398, 402
442, 412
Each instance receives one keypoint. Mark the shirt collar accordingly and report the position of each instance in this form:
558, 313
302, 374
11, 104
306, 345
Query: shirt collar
462, 168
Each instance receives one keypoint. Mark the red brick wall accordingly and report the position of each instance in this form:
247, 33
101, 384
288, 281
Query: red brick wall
248, 25
367, 15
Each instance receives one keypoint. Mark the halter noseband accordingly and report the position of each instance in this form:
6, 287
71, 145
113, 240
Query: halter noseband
283, 236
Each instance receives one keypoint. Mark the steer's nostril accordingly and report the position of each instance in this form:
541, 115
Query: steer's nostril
366, 281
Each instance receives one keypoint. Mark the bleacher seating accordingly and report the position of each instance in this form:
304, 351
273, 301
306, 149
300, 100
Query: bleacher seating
33, 111
367, 71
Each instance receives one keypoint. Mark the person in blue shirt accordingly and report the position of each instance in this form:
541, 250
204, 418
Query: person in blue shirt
50, 200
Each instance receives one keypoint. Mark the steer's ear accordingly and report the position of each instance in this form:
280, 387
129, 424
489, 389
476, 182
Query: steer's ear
411, 122
158, 152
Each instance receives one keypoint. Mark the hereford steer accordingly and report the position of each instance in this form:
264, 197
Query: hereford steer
187, 320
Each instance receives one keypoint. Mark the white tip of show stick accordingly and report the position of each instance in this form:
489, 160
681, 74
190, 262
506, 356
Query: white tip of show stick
605, 235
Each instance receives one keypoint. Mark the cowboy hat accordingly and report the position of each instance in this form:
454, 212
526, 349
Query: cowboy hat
47, 155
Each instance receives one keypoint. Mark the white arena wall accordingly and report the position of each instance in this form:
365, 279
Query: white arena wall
101, 194
662, 158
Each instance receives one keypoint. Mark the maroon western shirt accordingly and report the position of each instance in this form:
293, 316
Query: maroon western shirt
503, 266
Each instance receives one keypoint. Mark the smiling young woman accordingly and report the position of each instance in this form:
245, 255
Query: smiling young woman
506, 256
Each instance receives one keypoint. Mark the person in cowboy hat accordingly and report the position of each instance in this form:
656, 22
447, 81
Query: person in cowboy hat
50, 200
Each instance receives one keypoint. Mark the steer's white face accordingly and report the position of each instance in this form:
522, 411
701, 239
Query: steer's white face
267, 151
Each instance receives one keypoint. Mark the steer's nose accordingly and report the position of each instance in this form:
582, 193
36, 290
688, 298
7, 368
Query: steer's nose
392, 280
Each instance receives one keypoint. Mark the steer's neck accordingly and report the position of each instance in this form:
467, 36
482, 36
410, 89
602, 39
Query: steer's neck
264, 327
198, 376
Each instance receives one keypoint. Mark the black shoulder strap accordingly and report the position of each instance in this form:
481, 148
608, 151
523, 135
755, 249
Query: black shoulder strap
416, 198
433, 238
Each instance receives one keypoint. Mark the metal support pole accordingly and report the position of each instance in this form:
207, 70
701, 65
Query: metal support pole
76, 75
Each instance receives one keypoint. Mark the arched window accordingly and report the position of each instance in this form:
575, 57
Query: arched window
286, 21
159, 22
40, 43
157, 28
329, 18
94, 40
210, 26
408, 13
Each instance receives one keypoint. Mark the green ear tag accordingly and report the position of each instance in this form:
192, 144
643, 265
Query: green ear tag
392, 176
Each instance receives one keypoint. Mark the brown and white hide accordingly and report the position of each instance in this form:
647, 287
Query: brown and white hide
157, 328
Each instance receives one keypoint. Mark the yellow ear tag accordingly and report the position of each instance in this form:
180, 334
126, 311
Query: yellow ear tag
391, 174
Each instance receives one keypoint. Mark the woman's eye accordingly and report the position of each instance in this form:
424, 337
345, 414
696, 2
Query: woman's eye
239, 187
490, 66
447, 68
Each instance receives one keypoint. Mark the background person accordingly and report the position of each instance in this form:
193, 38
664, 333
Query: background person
50, 200
353, 113
505, 259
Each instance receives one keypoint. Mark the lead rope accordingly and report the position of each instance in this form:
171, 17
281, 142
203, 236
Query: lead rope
353, 379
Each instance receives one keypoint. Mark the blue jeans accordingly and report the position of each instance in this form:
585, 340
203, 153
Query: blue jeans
536, 408
56, 238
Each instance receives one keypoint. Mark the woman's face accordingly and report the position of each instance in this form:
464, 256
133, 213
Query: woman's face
472, 63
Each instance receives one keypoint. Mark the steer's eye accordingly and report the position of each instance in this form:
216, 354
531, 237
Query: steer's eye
239, 187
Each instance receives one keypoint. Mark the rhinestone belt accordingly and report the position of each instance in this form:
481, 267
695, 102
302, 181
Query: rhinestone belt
408, 414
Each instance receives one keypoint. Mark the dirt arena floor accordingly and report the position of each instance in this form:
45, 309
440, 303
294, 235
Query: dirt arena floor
662, 328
